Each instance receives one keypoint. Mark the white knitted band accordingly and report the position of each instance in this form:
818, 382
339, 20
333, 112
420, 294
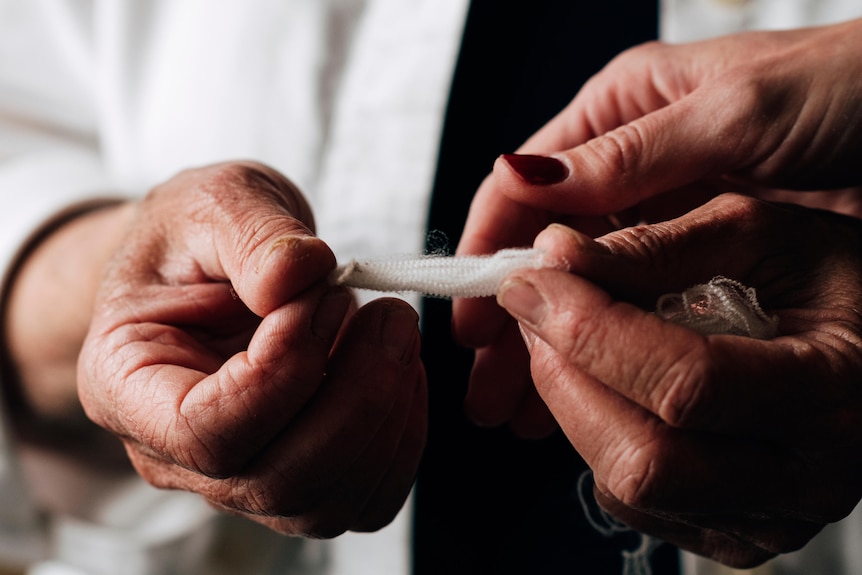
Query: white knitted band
721, 306
439, 276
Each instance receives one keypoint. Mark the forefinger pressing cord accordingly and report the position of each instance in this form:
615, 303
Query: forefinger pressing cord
438, 276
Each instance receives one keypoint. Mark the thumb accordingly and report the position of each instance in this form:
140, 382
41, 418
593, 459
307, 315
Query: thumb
241, 223
702, 136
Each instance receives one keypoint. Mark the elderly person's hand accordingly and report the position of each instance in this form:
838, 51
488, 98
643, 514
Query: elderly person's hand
221, 356
733, 447
659, 131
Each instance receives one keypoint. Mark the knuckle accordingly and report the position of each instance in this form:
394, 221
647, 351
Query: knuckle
581, 347
639, 56
637, 483
548, 370
240, 175
739, 208
232, 181
254, 497
744, 105
653, 249
272, 499
306, 514
686, 397
648, 50
233, 192
619, 150
644, 244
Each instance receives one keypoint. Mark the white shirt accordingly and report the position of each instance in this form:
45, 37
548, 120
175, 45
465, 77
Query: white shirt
345, 97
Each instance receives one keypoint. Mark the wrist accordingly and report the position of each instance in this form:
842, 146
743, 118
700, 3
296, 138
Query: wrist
47, 311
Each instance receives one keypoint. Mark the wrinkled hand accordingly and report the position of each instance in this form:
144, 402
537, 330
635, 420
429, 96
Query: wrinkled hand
225, 362
729, 446
659, 131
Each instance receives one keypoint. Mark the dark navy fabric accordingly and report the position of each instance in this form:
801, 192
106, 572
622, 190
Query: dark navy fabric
487, 502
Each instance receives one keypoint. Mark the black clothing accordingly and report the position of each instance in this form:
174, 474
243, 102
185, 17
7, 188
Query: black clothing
487, 502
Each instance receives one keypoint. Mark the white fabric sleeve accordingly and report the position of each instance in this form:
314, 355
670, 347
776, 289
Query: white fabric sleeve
49, 149
41, 188
49, 163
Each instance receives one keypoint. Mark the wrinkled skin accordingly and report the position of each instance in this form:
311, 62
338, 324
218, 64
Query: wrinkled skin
734, 448
229, 367
730, 446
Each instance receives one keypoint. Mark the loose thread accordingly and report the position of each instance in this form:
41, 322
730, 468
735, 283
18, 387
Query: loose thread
635, 561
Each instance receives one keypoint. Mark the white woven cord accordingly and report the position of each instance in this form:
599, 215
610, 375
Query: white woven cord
438, 276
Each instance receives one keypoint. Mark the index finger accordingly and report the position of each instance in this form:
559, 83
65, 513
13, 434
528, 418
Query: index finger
242, 223
688, 380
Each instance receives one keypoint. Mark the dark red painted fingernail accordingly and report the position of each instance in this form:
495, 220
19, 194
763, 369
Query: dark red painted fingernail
537, 170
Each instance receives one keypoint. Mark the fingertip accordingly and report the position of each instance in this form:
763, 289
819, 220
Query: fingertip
287, 266
561, 244
299, 249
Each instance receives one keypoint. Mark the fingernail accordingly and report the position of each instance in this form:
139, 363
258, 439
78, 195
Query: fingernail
330, 313
399, 332
523, 300
537, 170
